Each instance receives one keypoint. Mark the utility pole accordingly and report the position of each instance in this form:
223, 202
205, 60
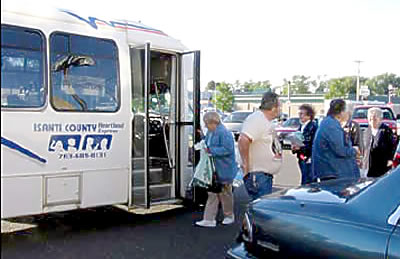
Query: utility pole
215, 97
288, 98
390, 92
358, 80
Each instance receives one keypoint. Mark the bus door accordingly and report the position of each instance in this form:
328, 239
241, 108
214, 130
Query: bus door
153, 134
188, 119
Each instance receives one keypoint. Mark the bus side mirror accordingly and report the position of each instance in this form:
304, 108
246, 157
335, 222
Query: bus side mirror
398, 117
65, 62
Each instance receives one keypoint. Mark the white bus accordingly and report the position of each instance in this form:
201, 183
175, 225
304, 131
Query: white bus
94, 111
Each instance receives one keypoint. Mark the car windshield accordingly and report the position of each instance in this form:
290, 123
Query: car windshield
362, 113
237, 117
292, 122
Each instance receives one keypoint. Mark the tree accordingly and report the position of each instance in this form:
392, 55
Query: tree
320, 89
250, 86
247, 86
320, 85
378, 85
341, 87
261, 86
211, 86
237, 86
224, 100
298, 85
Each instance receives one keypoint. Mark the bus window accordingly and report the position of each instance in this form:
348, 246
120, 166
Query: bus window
84, 73
22, 68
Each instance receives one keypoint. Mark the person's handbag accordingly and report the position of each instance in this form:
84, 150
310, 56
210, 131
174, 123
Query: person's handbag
216, 186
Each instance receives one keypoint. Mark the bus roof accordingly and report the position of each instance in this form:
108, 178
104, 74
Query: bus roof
137, 33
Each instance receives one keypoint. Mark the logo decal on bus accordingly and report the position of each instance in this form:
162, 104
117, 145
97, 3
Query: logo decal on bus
94, 22
78, 147
85, 140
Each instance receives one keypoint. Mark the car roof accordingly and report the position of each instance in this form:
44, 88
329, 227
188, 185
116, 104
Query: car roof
242, 112
372, 106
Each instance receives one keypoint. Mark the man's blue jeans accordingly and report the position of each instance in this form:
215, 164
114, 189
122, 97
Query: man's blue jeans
306, 172
258, 184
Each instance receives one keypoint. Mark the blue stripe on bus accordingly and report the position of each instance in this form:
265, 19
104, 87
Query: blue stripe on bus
115, 24
13, 145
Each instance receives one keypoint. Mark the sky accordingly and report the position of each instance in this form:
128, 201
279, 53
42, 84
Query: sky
270, 40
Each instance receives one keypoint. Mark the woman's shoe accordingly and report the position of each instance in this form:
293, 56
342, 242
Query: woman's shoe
207, 223
228, 220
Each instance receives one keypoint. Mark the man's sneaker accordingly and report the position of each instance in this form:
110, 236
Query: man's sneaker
207, 223
228, 220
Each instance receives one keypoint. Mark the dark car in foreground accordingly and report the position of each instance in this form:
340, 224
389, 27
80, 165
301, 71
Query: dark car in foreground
234, 122
344, 218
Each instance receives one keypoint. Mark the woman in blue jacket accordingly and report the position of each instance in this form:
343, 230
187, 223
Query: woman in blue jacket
221, 146
332, 155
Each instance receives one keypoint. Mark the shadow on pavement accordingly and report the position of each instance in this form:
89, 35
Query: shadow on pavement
115, 233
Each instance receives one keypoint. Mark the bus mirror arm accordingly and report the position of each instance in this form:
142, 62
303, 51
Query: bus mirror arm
63, 64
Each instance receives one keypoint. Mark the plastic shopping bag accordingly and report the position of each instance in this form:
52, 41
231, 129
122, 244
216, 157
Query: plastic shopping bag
238, 180
296, 139
204, 171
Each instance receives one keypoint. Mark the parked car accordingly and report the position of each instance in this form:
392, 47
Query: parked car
289, 126
319, 119
209, 109
360, 115
234, 122
398, 124
344, 218
283, 117
396, 159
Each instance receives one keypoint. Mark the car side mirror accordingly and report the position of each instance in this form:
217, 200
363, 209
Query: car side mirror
398, 117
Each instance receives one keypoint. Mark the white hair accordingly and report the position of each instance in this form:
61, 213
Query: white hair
375, 111
211, 117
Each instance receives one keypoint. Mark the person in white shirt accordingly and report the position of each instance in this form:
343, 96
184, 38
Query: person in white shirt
260, 157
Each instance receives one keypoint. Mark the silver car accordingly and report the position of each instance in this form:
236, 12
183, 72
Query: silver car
234, 122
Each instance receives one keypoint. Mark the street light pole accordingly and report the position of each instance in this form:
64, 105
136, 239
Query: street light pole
358, 80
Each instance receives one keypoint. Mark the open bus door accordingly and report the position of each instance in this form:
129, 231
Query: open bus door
165, 107
140, 73
189, 125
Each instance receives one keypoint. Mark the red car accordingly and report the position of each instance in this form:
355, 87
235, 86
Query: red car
360, 115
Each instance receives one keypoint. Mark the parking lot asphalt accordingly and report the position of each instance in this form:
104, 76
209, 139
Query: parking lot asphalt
110, 232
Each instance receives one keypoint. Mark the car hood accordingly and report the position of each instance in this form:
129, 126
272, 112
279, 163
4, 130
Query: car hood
361, 120
286, 129
233, 126
325, 200
326, 192
365, 121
